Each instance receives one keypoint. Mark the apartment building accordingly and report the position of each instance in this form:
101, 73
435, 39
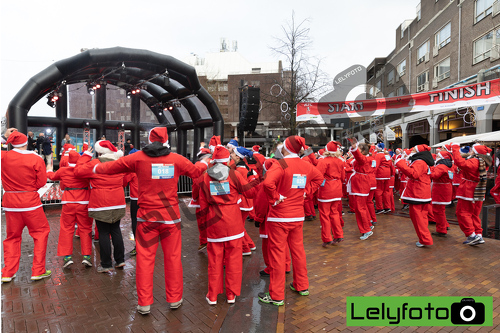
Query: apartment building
447, 44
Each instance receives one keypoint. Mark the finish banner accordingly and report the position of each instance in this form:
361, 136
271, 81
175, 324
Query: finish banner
482, 93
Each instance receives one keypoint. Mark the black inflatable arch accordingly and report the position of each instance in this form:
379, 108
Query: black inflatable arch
166, 80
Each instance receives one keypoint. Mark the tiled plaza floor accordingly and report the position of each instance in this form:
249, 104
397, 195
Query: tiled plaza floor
387, 264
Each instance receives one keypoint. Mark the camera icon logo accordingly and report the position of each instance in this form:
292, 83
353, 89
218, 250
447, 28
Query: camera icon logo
467, 312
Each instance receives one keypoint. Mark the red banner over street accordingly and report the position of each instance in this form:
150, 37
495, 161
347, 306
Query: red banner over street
481, 93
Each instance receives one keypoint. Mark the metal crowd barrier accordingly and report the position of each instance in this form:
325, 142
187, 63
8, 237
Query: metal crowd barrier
484, 220
53, 195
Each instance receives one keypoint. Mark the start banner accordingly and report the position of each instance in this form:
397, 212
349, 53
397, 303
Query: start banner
481, 93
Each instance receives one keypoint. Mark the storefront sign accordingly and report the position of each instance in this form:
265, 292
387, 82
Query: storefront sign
389, 134
482, 93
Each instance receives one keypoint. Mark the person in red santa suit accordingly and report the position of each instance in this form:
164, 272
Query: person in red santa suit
418, 190
403, 178
441, 176
75, 200
285, 188
158, 218
348, 173
65, 154
106, 203
383, 176
130, 179
23, 174
203, 156
261, 207
330, 194
219, 191
392, 183
472, 189
309, 202
260, 160
373, 185
246, 204
359, 185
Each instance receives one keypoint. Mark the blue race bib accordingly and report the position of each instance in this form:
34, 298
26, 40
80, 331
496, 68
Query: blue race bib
374, 164
450, 174
323, 183
299, 181
219, 188
162, 171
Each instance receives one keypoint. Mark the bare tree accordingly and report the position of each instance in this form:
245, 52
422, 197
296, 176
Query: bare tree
302, 79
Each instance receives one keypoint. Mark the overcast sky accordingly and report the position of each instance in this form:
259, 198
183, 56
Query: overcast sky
34, 34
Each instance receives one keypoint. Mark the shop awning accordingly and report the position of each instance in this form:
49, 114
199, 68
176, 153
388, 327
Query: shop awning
484, 137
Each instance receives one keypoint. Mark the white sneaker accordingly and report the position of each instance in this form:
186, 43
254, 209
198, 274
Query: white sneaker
176, 305
211, 302
247, 253
231, 301
366, 235
8, 278
143, 310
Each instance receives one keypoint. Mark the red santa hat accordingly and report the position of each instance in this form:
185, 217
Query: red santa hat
85, 146
67, 147
433, 156
332, 146
203, 151
399, 151
17, 139
159, 134
407, 151
256, 148
421, 148
220, 155
448, 148
104, 147
293, 144
214, 142
373, 149
444, 155
73, 157
481, 149
321, 152
269, 163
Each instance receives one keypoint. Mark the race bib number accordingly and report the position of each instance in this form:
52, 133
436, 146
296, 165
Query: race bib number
450, 174
323, 183
387, 157
219, 188
374, 164
162, 171
299, 181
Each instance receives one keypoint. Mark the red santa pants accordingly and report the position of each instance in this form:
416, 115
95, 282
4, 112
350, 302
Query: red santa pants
149, 235
309, 206
468, 216
280, 234
202, 228
419, 215
72, 214
247, 242
495, 191
265, 249
330, 220
370, 206
351, 203
362, 214
222, 254
38, 227
439, 212
382, 194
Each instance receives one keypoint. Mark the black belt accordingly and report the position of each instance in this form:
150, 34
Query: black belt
75, 188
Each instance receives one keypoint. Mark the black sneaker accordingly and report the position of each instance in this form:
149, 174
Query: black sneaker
379, 211
263, 273
351, 212
266, 298
387, 210
439, 234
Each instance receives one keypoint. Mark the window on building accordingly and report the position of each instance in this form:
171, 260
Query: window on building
223, 99
419, 12
401, 91
443, 36
212, 86
255, 83
402, 68
256, 70
482, 8
390, 77
442, 70
482, 46
223, 86
391, 94
423, 82
423, 53
378, 85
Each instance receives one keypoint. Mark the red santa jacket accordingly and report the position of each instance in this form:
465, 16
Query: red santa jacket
194, 203
295, 178
332, 169
131, 180
418, 187
384, 163
469, 169
76, 190
106, 191
246, 203
23, 173
158, 176
372, 171
441, 177
260, 163
360, 182
219, 191
457, 176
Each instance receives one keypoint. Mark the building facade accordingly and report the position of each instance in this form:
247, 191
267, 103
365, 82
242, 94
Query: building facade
447, 44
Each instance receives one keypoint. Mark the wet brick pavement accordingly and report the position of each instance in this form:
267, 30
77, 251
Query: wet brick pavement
387, 264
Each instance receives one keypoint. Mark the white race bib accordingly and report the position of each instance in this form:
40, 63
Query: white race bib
299, 181
162, 171
374, 164
219, 188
